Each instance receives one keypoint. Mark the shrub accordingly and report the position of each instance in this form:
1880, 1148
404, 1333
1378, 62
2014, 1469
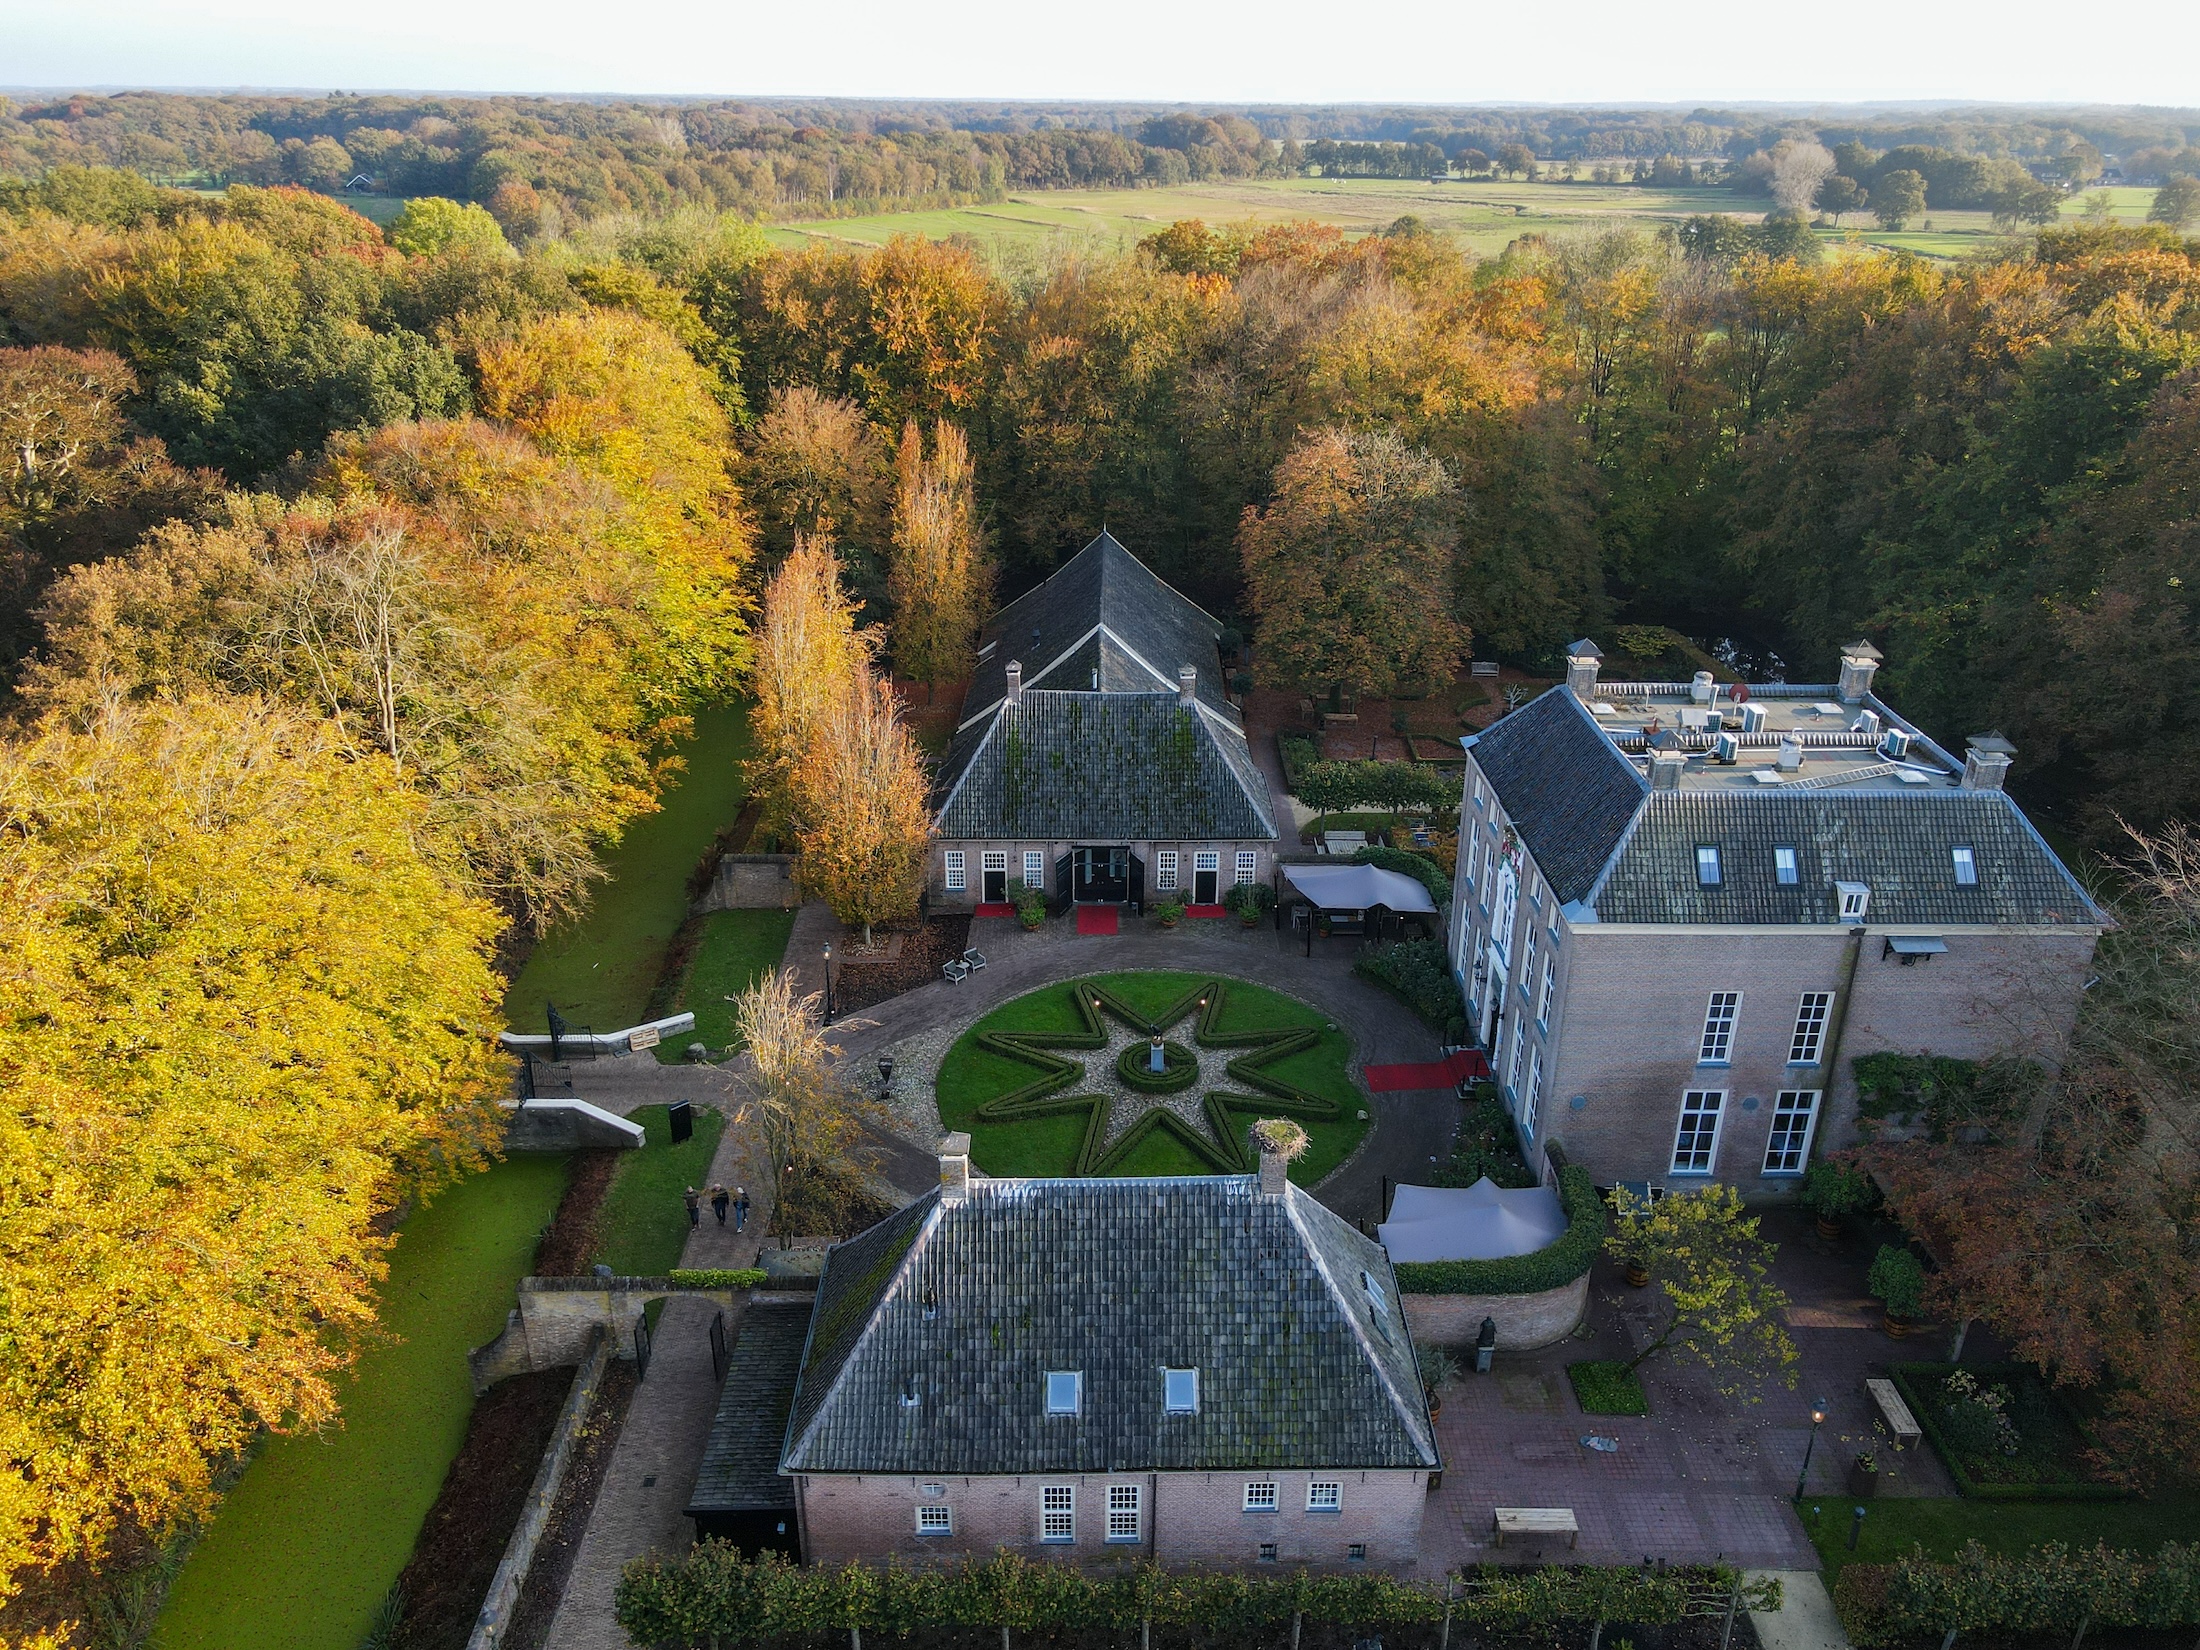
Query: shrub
1897, 1279
1250, 899
2049, 1461
1421, 867
1999, 1596
1835, 1189
1299, 751
1030, 902
717, 1277
1605, 1387
1169, 910
1486, 1144
1942, 1092
1419, 975
1550, 1267
1179, 1069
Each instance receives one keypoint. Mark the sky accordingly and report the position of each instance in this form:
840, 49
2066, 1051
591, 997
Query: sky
1199, 51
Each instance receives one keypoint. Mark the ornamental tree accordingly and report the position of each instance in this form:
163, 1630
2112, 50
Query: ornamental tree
1712, 1271
938, 579
858, 798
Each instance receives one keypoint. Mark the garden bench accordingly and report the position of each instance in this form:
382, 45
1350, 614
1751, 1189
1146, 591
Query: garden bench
1537, 1521
956, 970
1899, 1420
973, 960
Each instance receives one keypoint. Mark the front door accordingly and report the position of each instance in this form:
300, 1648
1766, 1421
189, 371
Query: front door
1101, 875
1206, 872
993, 878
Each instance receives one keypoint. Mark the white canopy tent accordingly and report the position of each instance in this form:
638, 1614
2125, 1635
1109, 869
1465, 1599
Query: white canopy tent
1479, 1222
1359, 888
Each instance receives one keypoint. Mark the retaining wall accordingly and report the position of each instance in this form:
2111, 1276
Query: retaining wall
1524, 1322
557, 1319
751, 882
567, 1126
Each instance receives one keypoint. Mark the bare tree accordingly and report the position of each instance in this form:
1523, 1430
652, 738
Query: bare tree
1797, 171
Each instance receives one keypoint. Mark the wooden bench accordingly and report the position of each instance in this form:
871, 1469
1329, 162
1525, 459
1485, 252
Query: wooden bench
1537, 1521
1899, 1420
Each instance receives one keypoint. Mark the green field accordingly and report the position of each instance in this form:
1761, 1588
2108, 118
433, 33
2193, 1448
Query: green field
737, 947
601, 969
319, 1526
1047, 1146
643, 1226
1483, 215
1893, 1526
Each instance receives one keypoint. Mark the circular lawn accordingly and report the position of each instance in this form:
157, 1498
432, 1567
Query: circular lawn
1055, 1083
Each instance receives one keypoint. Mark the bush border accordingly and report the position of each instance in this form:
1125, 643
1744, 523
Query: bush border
1552, 1267
1928, 1420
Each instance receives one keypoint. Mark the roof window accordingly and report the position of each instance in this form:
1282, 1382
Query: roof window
1783, 867
1180, 1391
1065, 1391
1966, 867
1856, 899
1707, 865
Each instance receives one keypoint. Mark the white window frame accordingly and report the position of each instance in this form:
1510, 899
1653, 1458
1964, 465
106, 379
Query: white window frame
1812, 1010
1208, 859
1248, 865
1164, 871
1126, 1512
1708, 858
1325, 1495
1856, 900
1076, 1379
1180, 1391
1716, 1046
1785, 871
1787, 1148
1553, 923
1692, 1153
1534, 1096
1543, 999
1474, 856
993, 860
935, 1520
1260, 1496
1035, 868
1965, 860
1527, 965
1478, 790
1058, 1513
956, 882
1512, 1067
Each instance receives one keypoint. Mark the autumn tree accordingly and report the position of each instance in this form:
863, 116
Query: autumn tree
1712, 1271
1898, 197
241, 1019
938, 581
859, 804
809, 656
817, 468
430, 224
1349, 569
808, 1114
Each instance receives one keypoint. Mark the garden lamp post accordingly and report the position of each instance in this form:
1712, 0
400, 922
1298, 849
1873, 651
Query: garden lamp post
1817, 1419
828, 982
1856, 1525
885, 1076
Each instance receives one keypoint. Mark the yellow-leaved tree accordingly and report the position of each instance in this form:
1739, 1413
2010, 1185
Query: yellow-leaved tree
809, 654
240, 1017
939, 582
860, 819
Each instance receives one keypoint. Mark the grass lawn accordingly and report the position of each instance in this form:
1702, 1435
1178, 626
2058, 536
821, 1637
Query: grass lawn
736, 948
1607, 1388
600, 969
1893, 1526
318, 1527
643, 1226
1046, 1146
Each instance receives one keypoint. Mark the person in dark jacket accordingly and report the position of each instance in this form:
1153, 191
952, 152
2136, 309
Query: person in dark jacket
720, 1198
694, 1201
740, 1207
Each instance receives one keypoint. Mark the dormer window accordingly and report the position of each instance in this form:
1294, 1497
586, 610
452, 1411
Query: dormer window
1707, 865
1856, 899
1783, 867
1065, 1391
1180, 1391
1966, 864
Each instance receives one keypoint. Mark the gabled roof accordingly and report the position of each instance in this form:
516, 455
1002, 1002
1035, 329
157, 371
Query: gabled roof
1900, 846
740, 1469
1102, 767
1103, 610
975, 1301
1564, 785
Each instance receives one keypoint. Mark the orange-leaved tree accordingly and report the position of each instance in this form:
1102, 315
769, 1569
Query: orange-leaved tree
239, 1020
809, 655
939, 581
859, 808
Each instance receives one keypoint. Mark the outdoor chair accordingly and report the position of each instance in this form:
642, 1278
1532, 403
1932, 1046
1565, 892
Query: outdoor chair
956, 970
973, 960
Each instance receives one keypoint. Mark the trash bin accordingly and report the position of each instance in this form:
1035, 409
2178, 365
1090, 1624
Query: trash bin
1485, 1346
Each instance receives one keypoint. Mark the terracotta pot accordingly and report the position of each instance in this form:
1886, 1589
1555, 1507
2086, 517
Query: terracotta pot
1638, 1276
1248, 922
1435, 1403
1168, 922
1829, 1227
1897, 1328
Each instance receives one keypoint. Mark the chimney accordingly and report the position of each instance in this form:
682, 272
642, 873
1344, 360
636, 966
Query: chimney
1581, 668
1015, 682
1858, 661
1986, 762
1275, 1171
1703, 690
1665, 770
955, 1168
1187, 683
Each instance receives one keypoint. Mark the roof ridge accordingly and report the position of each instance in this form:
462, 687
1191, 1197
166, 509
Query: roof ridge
1415, 1424
927, 1224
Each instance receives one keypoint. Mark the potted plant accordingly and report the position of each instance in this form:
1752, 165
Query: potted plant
1030, 903
1898, 1280
1864, 1476
1831, 1190
1437, 1368
1169, 912
1250, 900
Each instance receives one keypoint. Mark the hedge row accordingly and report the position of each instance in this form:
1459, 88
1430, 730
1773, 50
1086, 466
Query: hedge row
1299, 752
717, 1277
1550, 1267
1418, 974
2050, 1589
1913, 1382
1421, 867
714, 1593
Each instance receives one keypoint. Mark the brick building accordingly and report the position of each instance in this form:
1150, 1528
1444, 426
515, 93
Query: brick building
1684, 909
1097, 755
1210, 1368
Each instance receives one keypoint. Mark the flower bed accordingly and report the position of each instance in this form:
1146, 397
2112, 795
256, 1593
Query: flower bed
2002, 1432
1607, 1387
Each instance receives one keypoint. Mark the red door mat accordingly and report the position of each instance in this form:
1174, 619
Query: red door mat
1204, 911
1428, 1074
1098, 919
995, 910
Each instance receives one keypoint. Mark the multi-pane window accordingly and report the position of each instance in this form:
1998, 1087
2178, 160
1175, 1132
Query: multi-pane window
1123, 1512
1164, 871
1267, 1552
1718, 1028
1966, 864
1356, 1553
1180, 1391
1065, 1391
1856, 899
1535, 1094
1035, 869
1527, 966
1260, 1497
994, 862
1512, 1067
1324, 1496
955, 869
1783, 867
1247, 865
1543, 994
1810, 1028
1696, 1142
1206, 861
1794, 1115
1707, 865
935, 1521
1058, 1512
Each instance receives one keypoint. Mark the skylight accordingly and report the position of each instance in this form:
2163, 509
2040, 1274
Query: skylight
1065, 1390
1707, 865
1783, 866
1966, 867
1180, 1391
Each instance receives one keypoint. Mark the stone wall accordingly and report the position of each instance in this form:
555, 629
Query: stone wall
1524, 1322
752, 882
557, 1318
567, 1126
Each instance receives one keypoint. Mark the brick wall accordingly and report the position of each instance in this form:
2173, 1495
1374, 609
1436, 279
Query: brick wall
974, 853
1186, 1518
752, 882
1524, 1322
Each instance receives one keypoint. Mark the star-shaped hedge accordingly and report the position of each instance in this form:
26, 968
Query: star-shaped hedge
1222, 1147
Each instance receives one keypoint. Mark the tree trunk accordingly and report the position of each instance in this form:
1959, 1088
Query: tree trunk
1955, 1352
2084, 1622
1733, 1607
1949, 1642
855, 1638
1596, 1636
1297, 1616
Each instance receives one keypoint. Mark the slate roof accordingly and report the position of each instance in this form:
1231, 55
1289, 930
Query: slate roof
1898, 845
1566, 788
1102, 767
740, 1469
976, 1300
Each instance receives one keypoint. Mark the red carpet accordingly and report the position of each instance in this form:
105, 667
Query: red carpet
995, 911
1428, 1074
1098, 919
1204, 911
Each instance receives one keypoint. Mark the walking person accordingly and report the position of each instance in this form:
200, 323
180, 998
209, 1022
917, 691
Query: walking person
740, 1208
719, 1199
694, 1201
